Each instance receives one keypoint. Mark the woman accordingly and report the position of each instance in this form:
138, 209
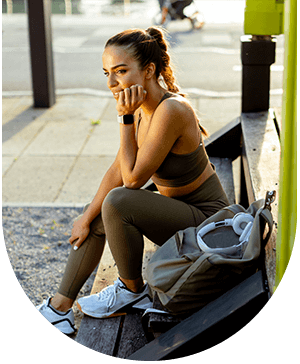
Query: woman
160, 138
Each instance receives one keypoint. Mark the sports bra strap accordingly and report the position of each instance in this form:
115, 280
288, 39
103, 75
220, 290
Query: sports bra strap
165, 96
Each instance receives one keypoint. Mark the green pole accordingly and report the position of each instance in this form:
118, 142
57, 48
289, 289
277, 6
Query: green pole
288, 165
263, 17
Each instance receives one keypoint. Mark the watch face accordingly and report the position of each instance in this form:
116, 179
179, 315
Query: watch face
128, 119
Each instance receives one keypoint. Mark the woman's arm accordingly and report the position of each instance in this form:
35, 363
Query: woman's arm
128, 153
139, 164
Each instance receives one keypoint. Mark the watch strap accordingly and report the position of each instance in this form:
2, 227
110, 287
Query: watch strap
126, 119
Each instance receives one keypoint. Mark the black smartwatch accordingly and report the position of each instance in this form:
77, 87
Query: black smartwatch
126, 119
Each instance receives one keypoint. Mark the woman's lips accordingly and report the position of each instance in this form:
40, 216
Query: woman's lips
116, 94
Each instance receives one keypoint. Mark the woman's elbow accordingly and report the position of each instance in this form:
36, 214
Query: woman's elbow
133, 184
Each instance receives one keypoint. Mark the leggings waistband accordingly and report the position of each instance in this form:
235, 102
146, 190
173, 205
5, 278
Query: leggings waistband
211, 190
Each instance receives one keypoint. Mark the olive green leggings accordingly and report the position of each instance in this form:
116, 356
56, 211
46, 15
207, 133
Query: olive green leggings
126, 216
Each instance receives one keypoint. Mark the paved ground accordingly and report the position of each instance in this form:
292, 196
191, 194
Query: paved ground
58, 156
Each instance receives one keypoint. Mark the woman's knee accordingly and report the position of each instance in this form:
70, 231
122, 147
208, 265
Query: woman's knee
116, 201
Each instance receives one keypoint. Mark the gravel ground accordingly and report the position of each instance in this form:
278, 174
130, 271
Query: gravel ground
37, 244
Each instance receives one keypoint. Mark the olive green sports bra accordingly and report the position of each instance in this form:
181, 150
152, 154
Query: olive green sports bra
179, 170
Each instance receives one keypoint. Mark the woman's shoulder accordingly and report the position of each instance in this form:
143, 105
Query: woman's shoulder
177, 104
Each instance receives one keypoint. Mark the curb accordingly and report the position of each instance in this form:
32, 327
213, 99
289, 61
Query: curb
192, 92
44, 204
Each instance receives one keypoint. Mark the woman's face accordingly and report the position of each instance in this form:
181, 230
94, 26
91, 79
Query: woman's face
121, 70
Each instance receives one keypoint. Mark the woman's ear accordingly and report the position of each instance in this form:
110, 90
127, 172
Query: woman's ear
150, 70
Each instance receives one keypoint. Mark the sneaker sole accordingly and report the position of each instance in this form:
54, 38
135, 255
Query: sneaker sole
60, 325
66, 332
113, 314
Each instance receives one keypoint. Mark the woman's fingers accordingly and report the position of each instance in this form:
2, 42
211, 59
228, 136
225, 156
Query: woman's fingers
121, 98
78, 244
130, 99
79, 234
127, 97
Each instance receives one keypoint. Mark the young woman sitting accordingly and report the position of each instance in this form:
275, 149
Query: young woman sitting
160, 139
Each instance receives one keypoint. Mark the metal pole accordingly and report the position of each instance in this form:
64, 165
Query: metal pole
68, 6
9, 5
42, 69
258, 53
263, 18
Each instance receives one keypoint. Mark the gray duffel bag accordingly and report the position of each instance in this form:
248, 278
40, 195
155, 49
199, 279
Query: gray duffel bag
198, 264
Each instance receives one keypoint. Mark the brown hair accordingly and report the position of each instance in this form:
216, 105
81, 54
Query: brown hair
148, 46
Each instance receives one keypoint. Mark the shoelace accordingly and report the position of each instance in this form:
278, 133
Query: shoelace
110, 293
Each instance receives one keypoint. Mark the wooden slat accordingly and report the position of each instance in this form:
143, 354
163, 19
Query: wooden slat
214, 323
117, 336
225, 143
132, 336
99, 334
262, 152
225, 173
261, 162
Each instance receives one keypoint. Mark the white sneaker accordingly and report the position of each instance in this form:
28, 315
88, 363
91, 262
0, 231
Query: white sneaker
111, 300
63, 321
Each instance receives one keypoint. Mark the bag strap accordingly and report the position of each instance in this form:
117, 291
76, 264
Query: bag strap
264, 211
267, 215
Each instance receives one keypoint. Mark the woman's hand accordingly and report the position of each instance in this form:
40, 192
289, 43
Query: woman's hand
129, 100
80, 232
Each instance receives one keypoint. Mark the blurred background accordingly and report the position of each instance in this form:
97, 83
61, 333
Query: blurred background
207, 61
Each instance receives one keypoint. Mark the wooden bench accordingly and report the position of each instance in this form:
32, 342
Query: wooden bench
246, 155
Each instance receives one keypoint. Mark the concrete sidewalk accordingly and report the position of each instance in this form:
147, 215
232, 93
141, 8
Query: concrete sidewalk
58, 156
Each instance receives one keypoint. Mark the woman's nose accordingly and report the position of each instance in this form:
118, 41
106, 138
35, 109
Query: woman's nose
111, 81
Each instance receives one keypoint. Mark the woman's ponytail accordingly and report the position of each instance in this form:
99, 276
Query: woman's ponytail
165, 69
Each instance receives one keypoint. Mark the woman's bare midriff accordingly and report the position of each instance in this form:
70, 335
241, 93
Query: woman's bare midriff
185, 190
